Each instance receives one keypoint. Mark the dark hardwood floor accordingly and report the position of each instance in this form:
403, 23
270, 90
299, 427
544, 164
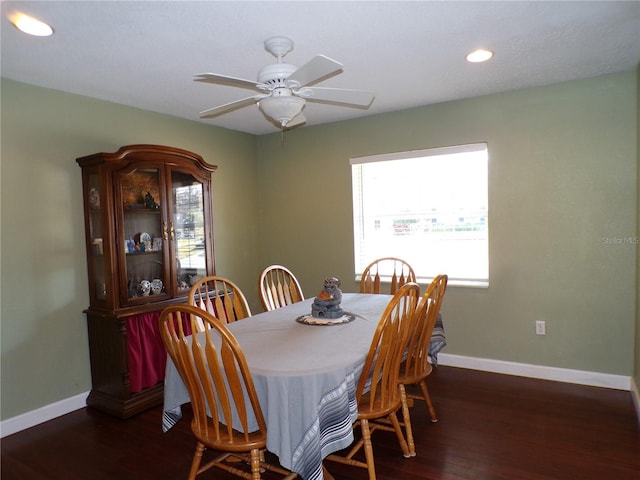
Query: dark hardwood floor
490, 427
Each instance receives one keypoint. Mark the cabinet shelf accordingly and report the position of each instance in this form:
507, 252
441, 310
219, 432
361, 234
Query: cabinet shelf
141, 210
141, 253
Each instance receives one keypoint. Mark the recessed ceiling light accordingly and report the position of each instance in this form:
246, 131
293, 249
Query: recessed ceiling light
479, 55
30, 25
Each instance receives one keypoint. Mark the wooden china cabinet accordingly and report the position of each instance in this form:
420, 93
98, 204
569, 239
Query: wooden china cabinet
149, 234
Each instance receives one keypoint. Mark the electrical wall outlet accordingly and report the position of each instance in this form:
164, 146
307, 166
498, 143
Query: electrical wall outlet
541, 328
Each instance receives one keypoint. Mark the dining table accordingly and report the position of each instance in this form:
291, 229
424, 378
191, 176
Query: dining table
305, 376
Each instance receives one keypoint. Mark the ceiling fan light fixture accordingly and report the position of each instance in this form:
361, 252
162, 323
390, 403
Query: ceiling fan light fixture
480, 55
30, 25
281, 109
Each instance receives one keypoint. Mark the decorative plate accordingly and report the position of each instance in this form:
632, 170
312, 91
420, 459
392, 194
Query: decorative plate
145, 237
311, 320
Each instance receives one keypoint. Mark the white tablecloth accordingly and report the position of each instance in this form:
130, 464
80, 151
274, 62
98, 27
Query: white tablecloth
305, 377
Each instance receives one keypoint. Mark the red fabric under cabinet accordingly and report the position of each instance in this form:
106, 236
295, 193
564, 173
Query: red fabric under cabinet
146, 352
147, 355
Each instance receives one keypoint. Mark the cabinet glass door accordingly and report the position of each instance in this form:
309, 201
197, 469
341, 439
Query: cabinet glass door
97, 260
143, 234
188, 232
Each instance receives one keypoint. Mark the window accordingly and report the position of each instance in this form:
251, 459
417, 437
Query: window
428, 207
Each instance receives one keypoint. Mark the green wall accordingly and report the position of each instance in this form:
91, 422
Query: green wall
45, 355
563, 176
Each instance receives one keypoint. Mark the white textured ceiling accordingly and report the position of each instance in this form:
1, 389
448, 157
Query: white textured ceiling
145, 53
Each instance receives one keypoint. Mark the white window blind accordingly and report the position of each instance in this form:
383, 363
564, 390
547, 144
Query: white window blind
428, 207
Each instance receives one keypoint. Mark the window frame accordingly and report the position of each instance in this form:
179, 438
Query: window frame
477, 281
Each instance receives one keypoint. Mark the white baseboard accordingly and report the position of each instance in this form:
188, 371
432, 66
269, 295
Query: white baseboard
43, 414
596, 379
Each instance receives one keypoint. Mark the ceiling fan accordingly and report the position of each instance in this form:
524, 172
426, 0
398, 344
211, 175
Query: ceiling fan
284, 88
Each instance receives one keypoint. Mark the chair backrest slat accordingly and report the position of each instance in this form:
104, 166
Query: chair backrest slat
382, 366
220, 297
278, 287
416, 365
214, 370
395, 269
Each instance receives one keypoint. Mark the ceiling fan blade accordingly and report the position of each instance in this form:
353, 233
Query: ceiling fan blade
226, 80
358, 98
228, 107
316, 69
297, 120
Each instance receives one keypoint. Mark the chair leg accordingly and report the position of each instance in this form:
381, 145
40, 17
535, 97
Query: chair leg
255, 464
427, 399
368, 448
197, 458
407, 422
401, 440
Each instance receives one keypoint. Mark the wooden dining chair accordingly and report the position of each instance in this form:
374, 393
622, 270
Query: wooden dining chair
220, 297
214, 370
415, 369
397, 271
278, 287
377, 393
